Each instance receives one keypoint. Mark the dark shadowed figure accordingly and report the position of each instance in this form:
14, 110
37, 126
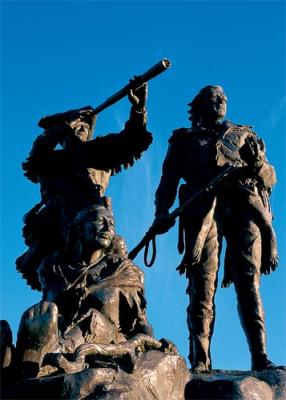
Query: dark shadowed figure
237, 210
73, 171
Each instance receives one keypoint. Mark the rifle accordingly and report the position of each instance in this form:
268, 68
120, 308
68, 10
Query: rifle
153, 231
151, 73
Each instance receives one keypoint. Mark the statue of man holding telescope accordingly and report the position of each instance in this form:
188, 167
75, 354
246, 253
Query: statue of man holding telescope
76, 175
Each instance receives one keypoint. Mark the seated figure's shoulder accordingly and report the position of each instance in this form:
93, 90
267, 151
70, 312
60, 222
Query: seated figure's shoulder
125, 272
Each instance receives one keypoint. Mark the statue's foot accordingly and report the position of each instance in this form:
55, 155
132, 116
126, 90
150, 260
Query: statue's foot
38, 335
200, 368
263, 363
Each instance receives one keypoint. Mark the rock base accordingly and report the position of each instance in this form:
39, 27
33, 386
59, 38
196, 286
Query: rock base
158, 376
237, 385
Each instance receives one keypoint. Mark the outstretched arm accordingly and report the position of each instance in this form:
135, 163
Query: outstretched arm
110, 152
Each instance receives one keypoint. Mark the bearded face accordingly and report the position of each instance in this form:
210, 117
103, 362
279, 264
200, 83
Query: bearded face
80, 133
81, 129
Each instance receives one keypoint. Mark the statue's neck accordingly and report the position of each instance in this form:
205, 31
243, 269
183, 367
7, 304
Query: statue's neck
208, 124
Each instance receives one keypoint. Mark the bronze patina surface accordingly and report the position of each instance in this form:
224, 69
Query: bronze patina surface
237, 209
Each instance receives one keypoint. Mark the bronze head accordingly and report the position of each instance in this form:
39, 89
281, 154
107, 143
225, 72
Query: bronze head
93, 227
208, 106
82, 122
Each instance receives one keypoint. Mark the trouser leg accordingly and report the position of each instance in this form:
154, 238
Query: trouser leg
201, 309
246, 249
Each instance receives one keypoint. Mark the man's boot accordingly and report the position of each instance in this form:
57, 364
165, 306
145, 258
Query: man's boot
200, 337
256, 337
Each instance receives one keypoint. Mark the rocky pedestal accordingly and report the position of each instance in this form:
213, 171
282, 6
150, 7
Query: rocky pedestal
237, 385
157, 376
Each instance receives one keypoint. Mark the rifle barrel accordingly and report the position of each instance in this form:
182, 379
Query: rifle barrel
151, 73
151, 233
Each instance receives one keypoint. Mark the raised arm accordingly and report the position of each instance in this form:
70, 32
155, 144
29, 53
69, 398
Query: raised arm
115, 151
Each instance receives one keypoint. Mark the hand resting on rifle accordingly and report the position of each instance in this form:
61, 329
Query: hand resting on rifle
163, 223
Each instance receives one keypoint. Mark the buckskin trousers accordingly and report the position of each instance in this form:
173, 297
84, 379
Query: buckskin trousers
244, 248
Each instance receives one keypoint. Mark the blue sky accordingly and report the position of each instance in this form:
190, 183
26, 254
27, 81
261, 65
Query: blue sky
62, 55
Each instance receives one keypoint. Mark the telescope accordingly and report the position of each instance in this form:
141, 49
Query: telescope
154, 71
151, 73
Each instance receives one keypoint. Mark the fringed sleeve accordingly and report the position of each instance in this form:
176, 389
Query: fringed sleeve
110, 152
114, 151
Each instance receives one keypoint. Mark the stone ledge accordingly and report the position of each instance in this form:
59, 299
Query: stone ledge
237, 385
158, 376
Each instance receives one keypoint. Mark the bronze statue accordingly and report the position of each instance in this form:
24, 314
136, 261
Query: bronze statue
75, 176
236, 209
93, 300
89, 335
94, 272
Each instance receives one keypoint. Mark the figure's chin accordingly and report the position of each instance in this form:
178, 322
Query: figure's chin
218, 117
221, 113
214, 117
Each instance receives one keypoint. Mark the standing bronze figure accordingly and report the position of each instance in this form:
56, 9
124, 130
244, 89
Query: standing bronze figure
237, 209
